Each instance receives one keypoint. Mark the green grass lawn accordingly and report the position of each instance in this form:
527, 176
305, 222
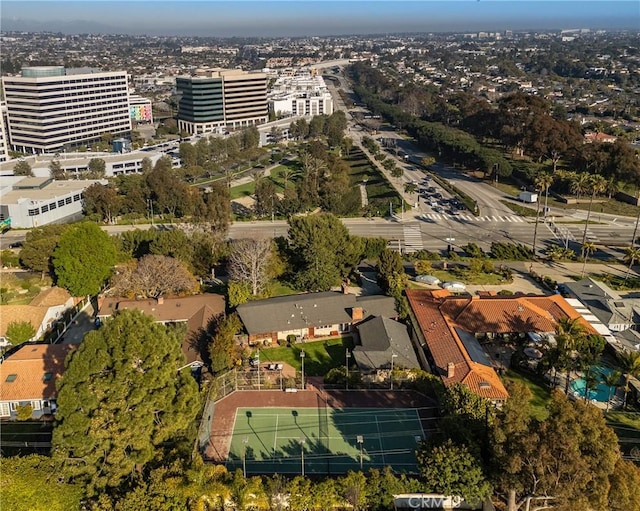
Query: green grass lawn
472, 279
320, 356
541, 394
281, 289
379, 190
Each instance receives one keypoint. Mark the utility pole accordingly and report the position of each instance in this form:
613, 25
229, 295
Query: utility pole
348, 357
393, 355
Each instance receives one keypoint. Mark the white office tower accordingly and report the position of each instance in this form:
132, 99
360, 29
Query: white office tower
51, 107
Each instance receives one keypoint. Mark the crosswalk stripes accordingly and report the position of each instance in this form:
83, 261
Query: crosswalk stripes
471, 218
412, 237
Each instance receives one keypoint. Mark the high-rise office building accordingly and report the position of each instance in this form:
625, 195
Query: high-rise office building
221, 100
51, 107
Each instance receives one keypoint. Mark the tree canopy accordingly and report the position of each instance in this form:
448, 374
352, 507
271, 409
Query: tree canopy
121, 399
321, 251
84, 259
19, 332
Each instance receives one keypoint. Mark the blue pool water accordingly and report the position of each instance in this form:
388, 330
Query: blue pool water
601, 393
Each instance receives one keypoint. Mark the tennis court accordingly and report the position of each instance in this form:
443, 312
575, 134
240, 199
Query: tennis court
324, 440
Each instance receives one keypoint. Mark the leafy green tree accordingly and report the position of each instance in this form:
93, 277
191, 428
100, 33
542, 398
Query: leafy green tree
630, 362
174, 243
32, 482
19, 332
321, 251
391, 275
57, 172
353, 488
514, 447
84, 259
577, 454
102, 201
37, 252
96, 168
223, 350
451, 469
624, 493
121, 400
22, 168
239, 292
466, 416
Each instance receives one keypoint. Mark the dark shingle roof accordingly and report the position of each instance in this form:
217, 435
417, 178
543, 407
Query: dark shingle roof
308, 310
380, 338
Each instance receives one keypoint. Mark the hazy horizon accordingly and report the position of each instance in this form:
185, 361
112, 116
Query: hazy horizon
266, 18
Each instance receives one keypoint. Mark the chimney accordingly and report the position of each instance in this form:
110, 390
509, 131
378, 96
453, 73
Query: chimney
451, 370
160, 300
357, 314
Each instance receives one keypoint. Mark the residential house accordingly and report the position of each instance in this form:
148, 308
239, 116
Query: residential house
610, 309
194, 310
384, 343
42, 312
28, 378
447, 329
589, 138
310, 315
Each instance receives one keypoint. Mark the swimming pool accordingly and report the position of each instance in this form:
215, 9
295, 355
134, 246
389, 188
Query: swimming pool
601, 392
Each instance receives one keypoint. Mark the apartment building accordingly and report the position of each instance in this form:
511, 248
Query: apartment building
50, 107
4, 143
301, 94
218, 100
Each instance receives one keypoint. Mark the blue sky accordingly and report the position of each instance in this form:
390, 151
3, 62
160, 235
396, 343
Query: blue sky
307, 17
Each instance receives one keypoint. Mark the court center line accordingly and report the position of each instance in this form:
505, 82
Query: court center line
380, 441
275, 437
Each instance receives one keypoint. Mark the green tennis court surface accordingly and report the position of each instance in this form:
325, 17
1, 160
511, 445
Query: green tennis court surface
331, 441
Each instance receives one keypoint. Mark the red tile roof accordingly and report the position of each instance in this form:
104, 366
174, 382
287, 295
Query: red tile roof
30, 364
439, 314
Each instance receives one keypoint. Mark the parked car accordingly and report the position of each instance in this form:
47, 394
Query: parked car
454, 286
428, 279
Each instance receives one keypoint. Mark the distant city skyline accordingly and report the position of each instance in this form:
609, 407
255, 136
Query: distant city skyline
266, 18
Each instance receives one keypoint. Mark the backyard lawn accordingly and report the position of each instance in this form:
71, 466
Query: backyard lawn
467, 277
541, 394
320, 356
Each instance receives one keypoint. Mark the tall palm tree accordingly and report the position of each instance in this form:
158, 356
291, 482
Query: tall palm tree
542, 182
597, 185
611, 380
579, 185
569, 333
630, 361
587, 249
631, 256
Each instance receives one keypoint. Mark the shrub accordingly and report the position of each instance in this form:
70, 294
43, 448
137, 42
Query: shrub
291, 338
282, 342
473, 250
426, 255
505, 292
24, 412
423, 267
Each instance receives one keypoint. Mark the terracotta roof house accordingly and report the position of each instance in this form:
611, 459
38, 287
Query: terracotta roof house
45, 308
28, 377
446, 327
310, 315
195, 310
380, 340
589, 138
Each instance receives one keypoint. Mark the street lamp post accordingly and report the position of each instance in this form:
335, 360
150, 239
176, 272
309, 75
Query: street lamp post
151, 207
348, 357
393, 355
245, 441
302, 359
302, 456
360, 441
258, 362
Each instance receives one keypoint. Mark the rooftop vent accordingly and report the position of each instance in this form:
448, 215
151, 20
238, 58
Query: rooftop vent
47, 376
11, 377
484, 385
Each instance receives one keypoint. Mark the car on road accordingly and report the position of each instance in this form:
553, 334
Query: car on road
439, 209
431, 189
16, 244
